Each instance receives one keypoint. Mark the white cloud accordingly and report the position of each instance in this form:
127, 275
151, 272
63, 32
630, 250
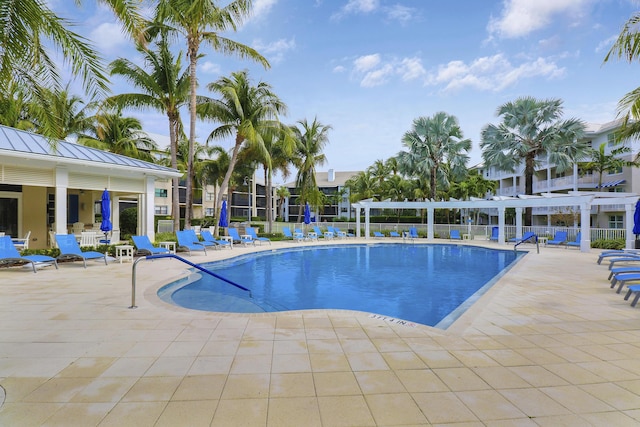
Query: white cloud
522, 17
606, 44
372, 70
276, 50
377, 77
411, 68
400, 13
339, 69
210, 68
366, 63
356, 7
108, 37
491, 73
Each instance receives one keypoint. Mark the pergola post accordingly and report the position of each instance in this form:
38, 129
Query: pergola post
519, 223
357, 221
430, 221
367, 211
501, 236
585, 227
629, 210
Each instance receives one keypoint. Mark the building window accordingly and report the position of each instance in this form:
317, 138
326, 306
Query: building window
611, 139
161, 192
616, 221
162, 210
618, 189
209, 197
615, 171
209, 212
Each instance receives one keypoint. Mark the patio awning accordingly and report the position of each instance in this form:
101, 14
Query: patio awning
613, 183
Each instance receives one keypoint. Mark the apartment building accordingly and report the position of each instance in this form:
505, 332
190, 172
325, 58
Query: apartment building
548, 179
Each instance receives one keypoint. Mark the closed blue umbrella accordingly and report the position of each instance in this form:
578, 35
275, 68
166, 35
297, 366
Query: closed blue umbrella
636, 220
223, 215
307, 214
105, 210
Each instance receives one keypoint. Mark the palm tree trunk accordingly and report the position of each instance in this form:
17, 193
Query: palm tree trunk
528, 186
269, 216
193, 58
175, 182
227, 178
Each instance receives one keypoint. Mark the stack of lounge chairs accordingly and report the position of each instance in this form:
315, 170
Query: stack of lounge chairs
627, 275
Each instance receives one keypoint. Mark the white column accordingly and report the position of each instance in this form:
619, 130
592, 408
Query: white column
62, 184
146, 208
367, 212
585, 227
430, 220
629, 210
519, 223
501, 239
357, 221
115, 212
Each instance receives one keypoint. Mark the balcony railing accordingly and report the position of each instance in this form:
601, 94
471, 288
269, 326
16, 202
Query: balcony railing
565, 183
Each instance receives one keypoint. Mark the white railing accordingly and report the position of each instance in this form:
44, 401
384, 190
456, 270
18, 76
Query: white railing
564, 183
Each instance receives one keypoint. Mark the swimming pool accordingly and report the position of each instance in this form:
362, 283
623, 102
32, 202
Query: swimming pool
417, 283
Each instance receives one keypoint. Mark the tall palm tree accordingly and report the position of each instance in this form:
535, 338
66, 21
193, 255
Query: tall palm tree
627, 47
14, 108
121, 135
379, 171
201, 22
433, 142
247, 112
602, 162
164, 87
362, 186
531, 130
70, 114
311, 138
282, 193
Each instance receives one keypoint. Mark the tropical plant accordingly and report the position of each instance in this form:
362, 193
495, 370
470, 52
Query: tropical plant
14, 108
602, 162
433, 142
282, 193
69, 114
201, 22
362, 186
532, 130
164, 87
311, 138
245, 111
627, 46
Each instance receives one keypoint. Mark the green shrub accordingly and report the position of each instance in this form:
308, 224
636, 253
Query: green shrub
608, 244
128, 221
166, 237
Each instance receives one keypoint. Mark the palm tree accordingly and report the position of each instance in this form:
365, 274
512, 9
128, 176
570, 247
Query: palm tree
532, 129
627, 46
246, 112
120, 135
602, 162
14, 108
282, 193
201, 22
431, 143
164, 87
69, 112
379, 171
311, 138
362, 186
27, 27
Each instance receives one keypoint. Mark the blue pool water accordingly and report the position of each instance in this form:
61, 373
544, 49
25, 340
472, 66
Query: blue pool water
417, 283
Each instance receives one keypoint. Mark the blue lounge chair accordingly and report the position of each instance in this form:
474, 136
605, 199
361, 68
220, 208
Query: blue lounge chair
633, 289
413, 233
575, 243
454, 235
327, 234
378, 235
495, 233
624, 259
252, 233
619, 270
311, 235
186, 242
394, 234
70, 250
623, 279
336, 233
559, 239
9, 255
233, 232
527, 237
144, 246
342, 233
194, 238
298, 237
208, 238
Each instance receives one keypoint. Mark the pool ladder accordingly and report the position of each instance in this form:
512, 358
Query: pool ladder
523, 241
196, 266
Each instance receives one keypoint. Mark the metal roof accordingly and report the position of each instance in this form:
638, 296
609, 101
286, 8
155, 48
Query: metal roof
34, 145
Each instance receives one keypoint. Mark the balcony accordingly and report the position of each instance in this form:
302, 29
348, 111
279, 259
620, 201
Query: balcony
565, 183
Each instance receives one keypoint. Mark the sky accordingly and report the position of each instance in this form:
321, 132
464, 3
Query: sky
368, 68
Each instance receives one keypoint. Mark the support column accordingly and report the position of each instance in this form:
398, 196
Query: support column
501, 239
115, 212
430, 220
357, 221
629, 210
147, 210
585, 227
62, 184
367, 212
519, 223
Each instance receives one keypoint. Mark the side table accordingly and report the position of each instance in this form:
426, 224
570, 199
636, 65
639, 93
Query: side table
124, 253
170, 246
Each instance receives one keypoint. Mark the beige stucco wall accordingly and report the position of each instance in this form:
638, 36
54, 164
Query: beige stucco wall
34, 215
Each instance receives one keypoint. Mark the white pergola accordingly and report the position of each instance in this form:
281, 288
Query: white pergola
584, 200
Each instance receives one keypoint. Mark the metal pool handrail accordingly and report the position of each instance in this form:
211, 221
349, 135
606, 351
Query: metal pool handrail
204, 270
522, 241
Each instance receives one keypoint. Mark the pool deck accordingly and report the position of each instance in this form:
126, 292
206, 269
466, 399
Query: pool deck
549, 345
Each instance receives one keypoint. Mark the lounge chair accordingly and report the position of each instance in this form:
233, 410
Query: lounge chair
23, 243
143, 246
618, 253
336, 233
559, 239
342, 233
233, 232
413, 233
186, 242
633, 289
378, 235
327, 234
623, 279
9, 255
298, 237
311, 235
208, 237
454, 235
495, 233
70, 250
252, 233
619, 270
575, 243
394, 234
529, 236
622, 258
194, 238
